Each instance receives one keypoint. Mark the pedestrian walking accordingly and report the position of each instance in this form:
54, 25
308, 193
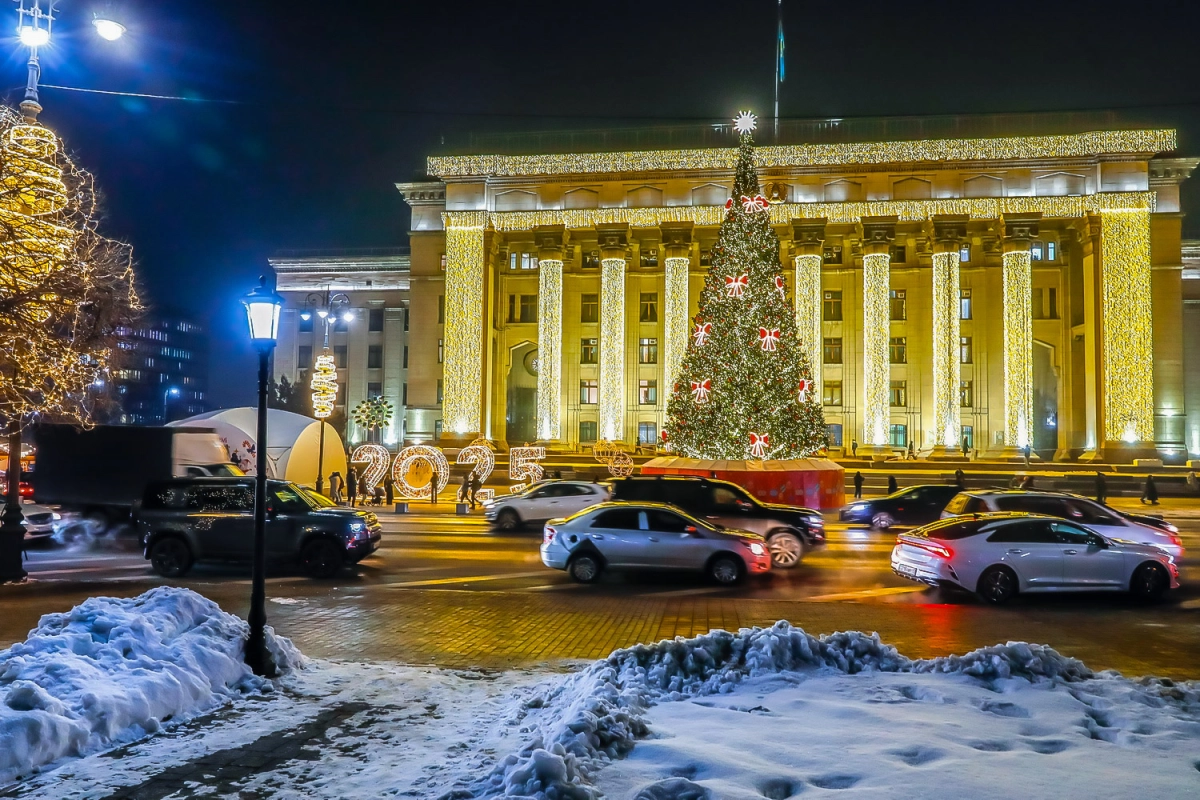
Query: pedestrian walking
1101, 488
966, 448
476, 485
1028, 452
854, 448
892, 487
1191, 480
464, 489
912, 453
335, 487
960, 479
858, 482
433, 488
1150, 492
389, 488
352, 487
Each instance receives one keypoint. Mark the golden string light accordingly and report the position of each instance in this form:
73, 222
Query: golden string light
928, 150
947, 369
806, 297
462, 366
409, 457
675, 317
549, 389
876, 372
612, 349
1128, 334
376, 457
1018, 348
324, 385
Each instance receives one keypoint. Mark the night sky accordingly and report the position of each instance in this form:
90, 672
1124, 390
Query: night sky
327, 110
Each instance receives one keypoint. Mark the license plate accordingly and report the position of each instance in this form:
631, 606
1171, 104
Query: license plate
905, 569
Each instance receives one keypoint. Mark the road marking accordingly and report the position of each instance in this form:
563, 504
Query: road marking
41, 573
528, 557
552, 587
687, 592
1190, 604
469, 579
884, 592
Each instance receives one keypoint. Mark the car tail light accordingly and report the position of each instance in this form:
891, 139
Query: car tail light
548, 535
1175, 540
938, 550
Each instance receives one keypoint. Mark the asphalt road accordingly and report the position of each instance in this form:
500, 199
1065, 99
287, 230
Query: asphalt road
444, 590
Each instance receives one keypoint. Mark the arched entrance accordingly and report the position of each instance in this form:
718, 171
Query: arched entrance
1045, 400
521, 414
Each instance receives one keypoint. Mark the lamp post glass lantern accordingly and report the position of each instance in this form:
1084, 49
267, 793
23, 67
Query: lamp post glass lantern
262, 314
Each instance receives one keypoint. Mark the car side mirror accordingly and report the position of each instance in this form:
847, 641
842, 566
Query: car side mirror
690, 530
1097, 542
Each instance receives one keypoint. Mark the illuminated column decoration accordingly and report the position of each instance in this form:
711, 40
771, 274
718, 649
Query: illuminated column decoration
612, 349
549, 390
947, 420
1127, 326
675, 321
807, 297
1018, 348
877, 234
462, 369
324, 385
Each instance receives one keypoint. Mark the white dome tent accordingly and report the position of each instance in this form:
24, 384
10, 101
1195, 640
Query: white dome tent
293, 442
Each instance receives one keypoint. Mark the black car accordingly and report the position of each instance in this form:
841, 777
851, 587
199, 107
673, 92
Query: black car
914, 505
789, 530
186, 520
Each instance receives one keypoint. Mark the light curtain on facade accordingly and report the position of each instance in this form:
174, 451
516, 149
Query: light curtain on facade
1128, 330
549, 391
946, 353
612, 349
675, 321
807, 298
463, 363
1018, 349
876, 372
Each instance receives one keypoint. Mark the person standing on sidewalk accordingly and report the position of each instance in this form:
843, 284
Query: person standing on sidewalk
464, 488
1101, 488
892, 487
966, 448
858, 483
960, 479
352, 486
1150, 492
389, 488
476, 485
335, 487
1191, 480
854, 448
912, 453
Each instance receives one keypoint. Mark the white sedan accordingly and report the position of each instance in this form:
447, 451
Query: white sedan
998, 556
542, 502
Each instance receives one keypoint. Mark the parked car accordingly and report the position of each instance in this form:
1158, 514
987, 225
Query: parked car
185, 520
789, 530
41, 522
1075, 508
998, 556
915, 505
542, 501
620, 535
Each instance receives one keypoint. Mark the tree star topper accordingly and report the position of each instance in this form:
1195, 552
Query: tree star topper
745, 122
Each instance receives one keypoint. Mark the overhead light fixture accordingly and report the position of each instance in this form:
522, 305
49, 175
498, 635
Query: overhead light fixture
108, 29
33, 37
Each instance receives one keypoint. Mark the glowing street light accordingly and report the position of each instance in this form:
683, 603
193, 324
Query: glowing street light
108, 29
33, 37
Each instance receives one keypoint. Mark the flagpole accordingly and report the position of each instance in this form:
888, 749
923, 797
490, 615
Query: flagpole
778, 66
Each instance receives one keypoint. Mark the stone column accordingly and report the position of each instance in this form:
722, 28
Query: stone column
1019, 230
462, 371
877, 234
677, 263
947, 232
549, 240
614, 243
808, 253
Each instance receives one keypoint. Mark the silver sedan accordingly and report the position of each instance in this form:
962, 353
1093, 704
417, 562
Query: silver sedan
619, 535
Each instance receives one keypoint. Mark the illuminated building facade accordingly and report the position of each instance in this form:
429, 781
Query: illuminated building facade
1006, 290
162, 371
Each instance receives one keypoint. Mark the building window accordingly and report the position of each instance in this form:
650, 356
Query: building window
898, 394
964, 304
405, 361
439, 391
832, 350
898, 350
304, 357
648, 351
374, 391
831, 307
441, 350
968, 432
437, 429
1050, 251
964, 350
831, 393
1045, 303
647, 391
898, 305
587, 430
375, 320
591, 260
648, 307
964, 252
589, 308
404, 394
339, 356
522, 261
406, 320
898, 435
647, 433
899, 254
1036, 251
588, 351
306, 325
375, 356
966, 394
441, 310
589, 392
522, 308
832, 254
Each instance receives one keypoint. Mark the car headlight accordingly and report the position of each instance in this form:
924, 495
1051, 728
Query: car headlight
815, 519
859, 507
54, 515
355, 527
757, 549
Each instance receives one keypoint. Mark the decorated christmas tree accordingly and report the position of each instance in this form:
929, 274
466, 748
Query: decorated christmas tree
744, 389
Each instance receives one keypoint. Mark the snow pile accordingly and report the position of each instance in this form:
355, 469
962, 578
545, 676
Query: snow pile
596, 715
112, 670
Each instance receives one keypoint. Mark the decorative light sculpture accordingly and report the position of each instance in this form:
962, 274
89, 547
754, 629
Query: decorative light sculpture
946, 350
806, 298
409, 456
549, 388
876, 369
1018, 348
1128, 334
675, 317
324, 386
612, 348
463, 379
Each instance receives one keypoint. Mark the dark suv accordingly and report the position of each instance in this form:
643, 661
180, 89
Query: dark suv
212, 519
789, 530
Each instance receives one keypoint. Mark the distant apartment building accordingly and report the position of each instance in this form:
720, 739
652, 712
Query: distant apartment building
162, 374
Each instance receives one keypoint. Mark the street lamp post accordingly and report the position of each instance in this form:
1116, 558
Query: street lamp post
262, 313
328, 307
168, 393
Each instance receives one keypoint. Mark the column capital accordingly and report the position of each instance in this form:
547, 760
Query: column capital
676, 239
1019, 229
947, 231
550, 241
613, 239
808, 236
877, 233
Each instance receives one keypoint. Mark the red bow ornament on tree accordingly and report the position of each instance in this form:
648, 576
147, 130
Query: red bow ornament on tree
756, 203
759, 444
804, 386
701, 333
779, 287
735, 286
700, 390
768, 340
729, 204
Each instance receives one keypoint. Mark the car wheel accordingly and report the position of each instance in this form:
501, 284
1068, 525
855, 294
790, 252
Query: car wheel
170, 557
726, 570
882, 520
997, 585
508, 520
1149, 582
585, 568
786, 549
322, 558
